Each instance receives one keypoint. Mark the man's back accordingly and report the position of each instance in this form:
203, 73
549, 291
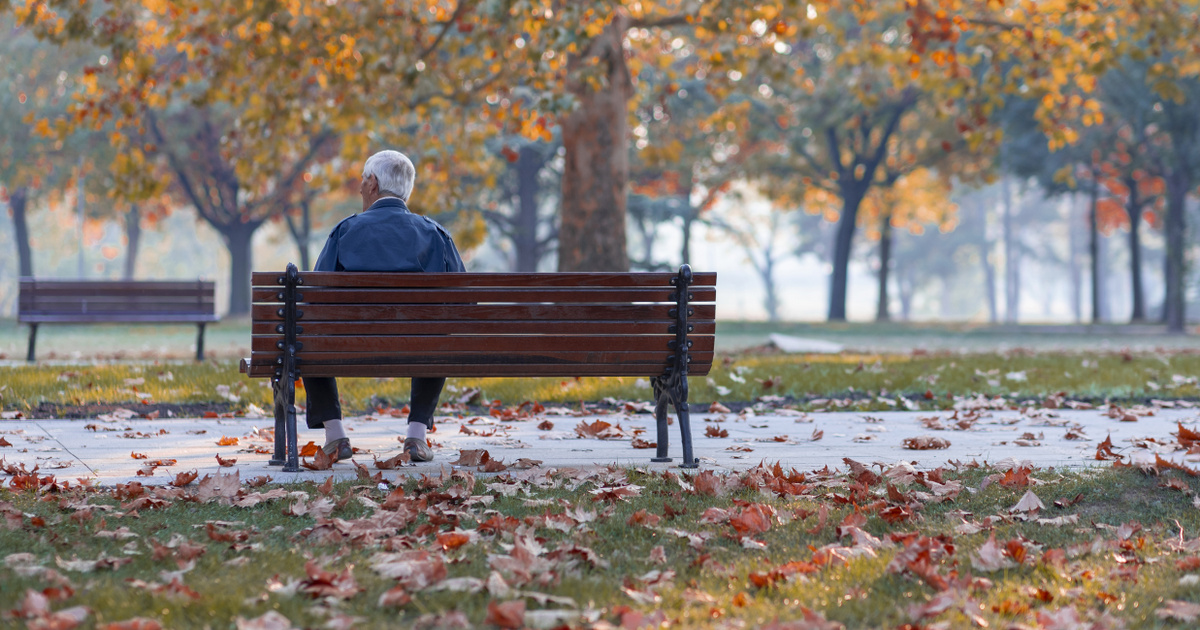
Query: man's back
388, 237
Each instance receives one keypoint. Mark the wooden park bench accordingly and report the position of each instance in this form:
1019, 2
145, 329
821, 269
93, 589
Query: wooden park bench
344, 324
116, 301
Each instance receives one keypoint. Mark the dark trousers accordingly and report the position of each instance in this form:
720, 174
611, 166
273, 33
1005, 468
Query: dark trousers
323, 403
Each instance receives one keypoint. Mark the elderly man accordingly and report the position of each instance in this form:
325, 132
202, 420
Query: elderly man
384, 237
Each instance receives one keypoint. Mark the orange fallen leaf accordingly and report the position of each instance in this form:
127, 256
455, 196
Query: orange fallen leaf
640, 443
321, 461
133, 455
506, 615
227, 441
184, 478
471, 457
309, 450
225, 463
545, 425
717, 432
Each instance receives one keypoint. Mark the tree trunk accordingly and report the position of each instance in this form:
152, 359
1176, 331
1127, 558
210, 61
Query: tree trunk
905, 288
596, 165
301, 232
1094, 252
133, 238
1012, 266
985, 259
843, 241
1073, 268
1133, 206
1174, 228
237, 239
689, 219
18, 203
885, 260
529, 165
771, 301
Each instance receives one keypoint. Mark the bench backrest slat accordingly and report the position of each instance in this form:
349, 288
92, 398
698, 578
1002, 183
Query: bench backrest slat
116, 300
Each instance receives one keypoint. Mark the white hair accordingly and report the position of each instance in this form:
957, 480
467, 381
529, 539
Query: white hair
394, 172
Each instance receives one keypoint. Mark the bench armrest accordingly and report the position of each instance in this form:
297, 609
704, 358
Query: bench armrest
244, 365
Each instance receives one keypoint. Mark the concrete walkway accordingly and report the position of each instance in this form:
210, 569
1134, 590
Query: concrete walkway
109, 449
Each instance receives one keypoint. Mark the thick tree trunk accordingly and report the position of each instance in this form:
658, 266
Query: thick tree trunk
1133, 206
843, 241
1174, 228
525, 239
133, 239
237, 239
18, 203
1094, 252
1012, 263
905, 288
596, 168
985, 260
885, 260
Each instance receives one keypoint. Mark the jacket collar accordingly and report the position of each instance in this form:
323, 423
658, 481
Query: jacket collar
390, 203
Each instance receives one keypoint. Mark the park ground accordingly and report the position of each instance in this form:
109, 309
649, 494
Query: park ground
1077, 508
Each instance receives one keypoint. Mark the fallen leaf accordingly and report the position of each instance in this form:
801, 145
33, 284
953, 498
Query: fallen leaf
471, 457
640, 443
714, 431
506, 615
227, 441
133, 455
1029, 503
925, 442
321, 461
271, 620
137, 623
225, 463
1178, 610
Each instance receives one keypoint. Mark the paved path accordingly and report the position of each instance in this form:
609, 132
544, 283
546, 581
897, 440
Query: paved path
103, 449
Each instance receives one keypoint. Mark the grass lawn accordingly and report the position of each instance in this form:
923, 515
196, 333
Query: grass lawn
857, 548
866, 549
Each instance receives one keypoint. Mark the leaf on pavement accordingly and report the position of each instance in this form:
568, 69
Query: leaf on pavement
225, 463
184, 478
471, 457
321, 461
227, 441
925, 443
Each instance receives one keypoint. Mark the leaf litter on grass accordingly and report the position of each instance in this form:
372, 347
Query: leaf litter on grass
613, 546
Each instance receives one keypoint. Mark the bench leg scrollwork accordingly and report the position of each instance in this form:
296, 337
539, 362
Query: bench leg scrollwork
286, 372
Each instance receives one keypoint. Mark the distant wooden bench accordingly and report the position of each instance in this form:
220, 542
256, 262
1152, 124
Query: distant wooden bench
116, 301
655, 325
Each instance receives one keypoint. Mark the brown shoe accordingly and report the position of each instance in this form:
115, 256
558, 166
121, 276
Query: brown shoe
418, 449
339, 449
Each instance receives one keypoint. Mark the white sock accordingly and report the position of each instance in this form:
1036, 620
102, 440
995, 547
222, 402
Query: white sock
334, 430
417, 430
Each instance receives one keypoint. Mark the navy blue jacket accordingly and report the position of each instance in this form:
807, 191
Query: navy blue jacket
387, 237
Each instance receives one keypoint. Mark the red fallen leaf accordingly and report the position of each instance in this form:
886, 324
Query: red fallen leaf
365, 475
471, 457
225, 463
782, 572
4, 442
1168, 464
309, 450
507, 615
714, 431
769, 382
258, 482
161, 462
779, 438
127, 491
321, 461
1104, 451
717, 407
393, 462
322, 583
452, 540
492, 466
211, 414
227, 441
707, 483
133, 455
1016, 478
326, 487
545, 425
753, 519
642, 517
497, 524
598, 429
1186, 436
640, 443
929, 394
394, 597
184, 478
925, 443
226, 535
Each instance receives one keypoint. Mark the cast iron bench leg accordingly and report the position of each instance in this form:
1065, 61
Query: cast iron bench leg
280, 424
661, 401
292, 464
200, 343
32, 342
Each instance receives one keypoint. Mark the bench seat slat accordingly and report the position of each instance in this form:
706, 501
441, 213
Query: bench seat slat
565, 358
115, 318
504, 345
464, 295
589, 312
452, 371
594, 279
497, 327
87, 286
